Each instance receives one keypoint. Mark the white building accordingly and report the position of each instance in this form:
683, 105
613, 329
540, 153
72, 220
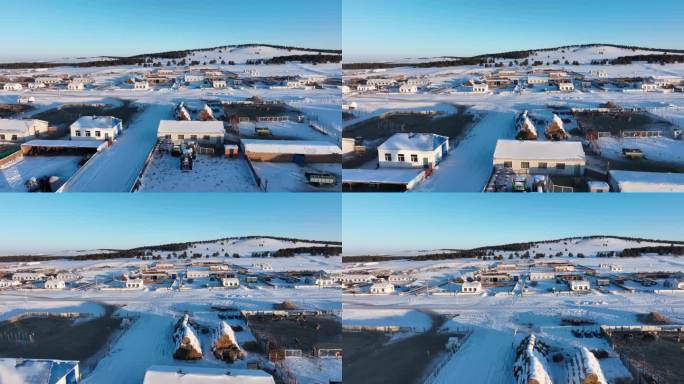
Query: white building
408, 88
635, 181
193, 77
73, 86
541, 157
539, 275
616, 268
471, 287
210, 132
21, 130
162, 374
48, 80
230, 282
356, 279
566, 87
674, 284
27, 276
8, 283
365, 88
96, 128
537, 79
12, 87
68, 276
663, 81
219, 84
479, 88
381, 288
579, 285
599, 73
649, 87
380, 82
400, 279
55, 284
323, 282
36, 85
196, 273
141, 85
348, 145
413, 150
135, 283
263, 266
314, 79
294, 84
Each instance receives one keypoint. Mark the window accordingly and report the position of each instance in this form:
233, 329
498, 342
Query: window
14, 137
388, 157
206, 137
401, 157
524, 165
87, 133
414, 158
97, 134
560, 166
508, 164
2, 137
78, 133
193, 137
542, 165
167, 137
181, 137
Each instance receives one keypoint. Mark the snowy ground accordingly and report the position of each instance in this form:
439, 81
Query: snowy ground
290, 177
13, 178
209, 174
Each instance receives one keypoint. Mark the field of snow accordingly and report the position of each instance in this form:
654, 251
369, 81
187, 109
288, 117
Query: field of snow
13, 178
290, 177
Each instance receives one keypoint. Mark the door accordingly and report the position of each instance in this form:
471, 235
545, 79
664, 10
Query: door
426, 162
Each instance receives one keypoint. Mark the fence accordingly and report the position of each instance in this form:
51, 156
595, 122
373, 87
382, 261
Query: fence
434, 372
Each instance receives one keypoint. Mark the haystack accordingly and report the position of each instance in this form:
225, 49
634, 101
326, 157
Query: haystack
187, 344
225, 345
525, 128
555, 130
207, 114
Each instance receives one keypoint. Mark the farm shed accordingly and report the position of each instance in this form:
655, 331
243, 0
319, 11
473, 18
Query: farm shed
166, 374
298, 151
96, 128
541, 157
20, 130
380, 180
225, 344
579, 285
82, 147
187, 344
634, 181
207, 132
471, 287
381, 288
413, 150
54, 284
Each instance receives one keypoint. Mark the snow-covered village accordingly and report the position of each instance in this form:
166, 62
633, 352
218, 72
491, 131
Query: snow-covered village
506, 104
503, 298
237, 309
200, 112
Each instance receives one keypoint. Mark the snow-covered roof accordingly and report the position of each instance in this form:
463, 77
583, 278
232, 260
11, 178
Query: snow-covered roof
96, 122
633, 181
92, 144
291, 146
190, 127
539, 150
165, 374
413, 141
10, 125
34, 371
380, 175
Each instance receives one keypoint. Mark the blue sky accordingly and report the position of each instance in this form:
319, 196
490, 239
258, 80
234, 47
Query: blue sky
68, 28
379, 29
384, 223
39, 223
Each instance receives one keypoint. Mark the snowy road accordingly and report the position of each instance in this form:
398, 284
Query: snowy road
116, 169
469, 165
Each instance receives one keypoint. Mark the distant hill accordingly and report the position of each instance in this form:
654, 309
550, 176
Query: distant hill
257, 246
567, 55
587, 246
224, 55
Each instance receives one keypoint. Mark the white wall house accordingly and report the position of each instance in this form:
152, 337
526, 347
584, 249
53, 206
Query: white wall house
135, 283
36, 85
21, 130
210, 132
566, 87
541, 157
230, 282
408, 88
542, 275
380, 82
219, 84
479, 88
356, 279
579, 285
54, 284
599, 73
537, 79
193, 77
28, 276
400, 279
663, 81
365, 88
292, 84
12, 87
48, 80
74, 86
381, 288
68, 276
348, 145
196, 273
96, 128
141, 85
413, 150
262, 266
8, 283
649, 87
323, 282
471, 287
